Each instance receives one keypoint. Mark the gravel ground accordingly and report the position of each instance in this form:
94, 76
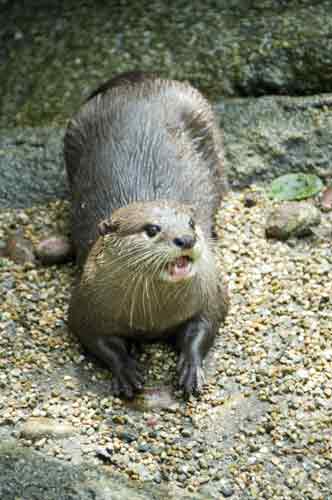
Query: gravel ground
261, 429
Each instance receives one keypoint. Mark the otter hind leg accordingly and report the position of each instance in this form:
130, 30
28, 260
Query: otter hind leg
126, 377
193, 342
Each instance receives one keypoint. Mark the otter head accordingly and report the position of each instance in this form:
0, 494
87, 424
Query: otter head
160, 239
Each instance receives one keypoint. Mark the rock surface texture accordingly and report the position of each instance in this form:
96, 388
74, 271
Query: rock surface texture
264, 138
53, 54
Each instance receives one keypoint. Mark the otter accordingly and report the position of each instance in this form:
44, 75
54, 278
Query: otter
144, 159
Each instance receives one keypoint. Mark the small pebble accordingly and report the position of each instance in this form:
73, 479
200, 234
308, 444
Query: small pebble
39, 427
19, 249
54, 250
326, 199
250, 200
143, 447
128, 437
225, 489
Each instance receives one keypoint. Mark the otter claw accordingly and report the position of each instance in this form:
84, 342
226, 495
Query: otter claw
127, 381
191, 378
125, 389
118, 388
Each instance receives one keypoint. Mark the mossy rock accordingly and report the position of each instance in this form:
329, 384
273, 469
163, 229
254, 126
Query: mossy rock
295, 187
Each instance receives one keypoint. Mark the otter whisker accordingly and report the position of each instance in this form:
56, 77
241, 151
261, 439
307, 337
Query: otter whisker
129, 262
156, 297
144, 289
149, 302
129, 291
157, 264
134, 296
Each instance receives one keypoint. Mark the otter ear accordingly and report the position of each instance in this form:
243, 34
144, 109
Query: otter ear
107, 226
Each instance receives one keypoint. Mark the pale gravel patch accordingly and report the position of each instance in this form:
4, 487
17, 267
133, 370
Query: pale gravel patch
262, 426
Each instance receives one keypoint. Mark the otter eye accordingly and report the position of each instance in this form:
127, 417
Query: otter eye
152, 229
192, 223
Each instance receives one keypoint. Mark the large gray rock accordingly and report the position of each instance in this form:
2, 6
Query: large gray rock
271, 136
53, 53
264, 138
25, 474
31, 166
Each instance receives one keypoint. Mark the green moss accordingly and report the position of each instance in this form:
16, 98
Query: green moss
295, 187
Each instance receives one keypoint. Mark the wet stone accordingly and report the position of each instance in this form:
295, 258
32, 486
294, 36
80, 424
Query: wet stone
292, 219
142, 472
23, 218
210, 492
250, 200
39, 427
143, 447
104, 454
127, 437
156, 450
54, 250
226, 489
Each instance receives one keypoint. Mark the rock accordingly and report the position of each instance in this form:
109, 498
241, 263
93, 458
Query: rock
103, 453
54, 250
186, 432
210, 491
226, 489
127, 437
272, 136
292, 219
249, 200
23, 218
259, 146
143, 447
302, 374
27, 474
31, 166
259, 48
326, 200
19, 249
296, 186
39, 427
141, 471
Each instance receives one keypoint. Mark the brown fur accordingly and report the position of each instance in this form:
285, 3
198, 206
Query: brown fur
145, 151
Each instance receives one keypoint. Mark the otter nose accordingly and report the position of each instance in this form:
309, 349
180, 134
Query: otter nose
185, 242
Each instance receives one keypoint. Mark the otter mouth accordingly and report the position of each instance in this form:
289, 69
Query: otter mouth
180, 268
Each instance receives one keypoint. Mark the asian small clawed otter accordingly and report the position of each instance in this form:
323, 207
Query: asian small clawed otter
145, 166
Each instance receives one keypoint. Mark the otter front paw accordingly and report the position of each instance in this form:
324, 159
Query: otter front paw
126, 376
127, 380
191, 376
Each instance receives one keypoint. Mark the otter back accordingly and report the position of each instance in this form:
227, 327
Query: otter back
142, 139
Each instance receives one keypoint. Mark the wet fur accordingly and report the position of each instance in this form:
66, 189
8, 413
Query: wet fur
142, 139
